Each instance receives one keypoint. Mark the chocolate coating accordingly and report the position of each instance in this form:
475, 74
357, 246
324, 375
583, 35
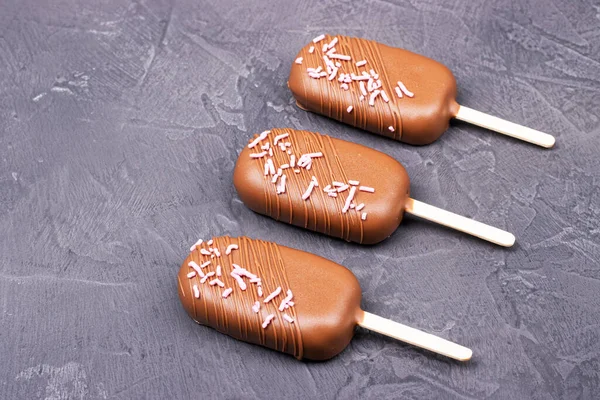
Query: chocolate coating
342, 161
419, 120
326, 298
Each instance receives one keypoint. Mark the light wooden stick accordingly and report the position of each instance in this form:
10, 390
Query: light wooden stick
415, 337
460, 223
505, 127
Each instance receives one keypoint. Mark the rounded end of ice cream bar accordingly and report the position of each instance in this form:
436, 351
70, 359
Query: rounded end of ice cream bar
185, 289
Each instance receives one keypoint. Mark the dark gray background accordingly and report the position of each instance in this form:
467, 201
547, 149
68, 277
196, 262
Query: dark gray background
119, 129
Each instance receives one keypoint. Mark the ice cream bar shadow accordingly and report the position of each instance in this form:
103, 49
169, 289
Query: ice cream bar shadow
387, 91
285, 299
338, 188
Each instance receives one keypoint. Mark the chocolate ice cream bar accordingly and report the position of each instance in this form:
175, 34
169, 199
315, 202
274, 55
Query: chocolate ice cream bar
336, 187
285, 299
386, 90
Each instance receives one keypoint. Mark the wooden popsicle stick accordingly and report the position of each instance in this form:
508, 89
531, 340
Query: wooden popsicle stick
504, 127
460, 223
415, 337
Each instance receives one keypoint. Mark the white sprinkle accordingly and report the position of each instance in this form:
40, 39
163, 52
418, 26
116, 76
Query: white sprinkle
206, 264
297, 171
255, 280
292, 161
344, 86
299, 60
353, 183
275, 293
366, 189
362, 88
217, 252
288, 318
332, 43
370, 85
258, 155
210, 242
279, 171
216, 282
279, 137
312, 49
198, 243
405, 90
314, 179
360, 206
271, 166
349, 199
289, 152
338, 56
197, 269
239, 280
268, 320
338, 64
359, 77
384, 96
286, 300
193, 264
256, 307
352, 205
260, 138
230, 248
218, 270
243, 272
332, 74
361, 98
361, 63
196, 291
391, 128
372, 98
318, 38
275, 177
308, 191
342, 188
398, 92
372, 72
364, 216
332, 194
191, 274
205, 252
324, 48
281, 187
266, 146
271, 152
259, 291
337, 184
327, 188
349, 109
227, 292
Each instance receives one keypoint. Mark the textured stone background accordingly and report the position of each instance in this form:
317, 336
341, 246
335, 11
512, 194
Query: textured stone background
119, 128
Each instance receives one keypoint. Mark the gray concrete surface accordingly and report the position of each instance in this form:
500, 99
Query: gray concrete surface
120, 123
